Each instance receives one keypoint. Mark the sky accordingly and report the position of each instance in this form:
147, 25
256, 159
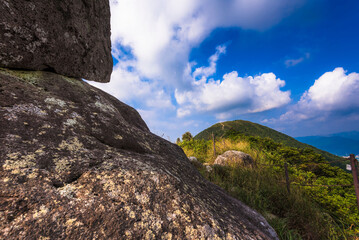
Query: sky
188, 64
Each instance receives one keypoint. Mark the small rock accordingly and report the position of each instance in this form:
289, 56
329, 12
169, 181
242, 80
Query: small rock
209, 168
192, 159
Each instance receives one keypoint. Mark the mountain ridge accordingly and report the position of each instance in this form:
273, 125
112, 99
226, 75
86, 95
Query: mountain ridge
254, 129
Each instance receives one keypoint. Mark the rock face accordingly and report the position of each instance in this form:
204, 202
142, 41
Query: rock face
232, 157
69, 37
76, 163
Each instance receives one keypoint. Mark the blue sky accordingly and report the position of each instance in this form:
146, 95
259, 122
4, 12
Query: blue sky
186, 65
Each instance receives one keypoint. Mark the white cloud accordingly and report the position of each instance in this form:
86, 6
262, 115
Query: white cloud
232, 94
334, 93
127, 86
152, 41
161, 33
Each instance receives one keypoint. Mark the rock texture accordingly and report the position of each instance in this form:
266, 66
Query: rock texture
232, 157
75, 163
69, 37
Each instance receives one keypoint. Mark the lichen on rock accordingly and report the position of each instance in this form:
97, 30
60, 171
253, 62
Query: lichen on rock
86, 166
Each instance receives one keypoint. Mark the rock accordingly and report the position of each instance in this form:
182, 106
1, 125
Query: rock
192, 159
75, 163
69, 37
209, 168
232, 157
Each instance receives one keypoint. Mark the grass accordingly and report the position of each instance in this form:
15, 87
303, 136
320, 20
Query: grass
293, 216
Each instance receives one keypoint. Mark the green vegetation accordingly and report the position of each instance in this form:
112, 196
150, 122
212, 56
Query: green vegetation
253, 129
308, 212
187, 136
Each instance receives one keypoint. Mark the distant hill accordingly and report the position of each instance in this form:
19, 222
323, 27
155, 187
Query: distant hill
341, 144
351, 135
254, 129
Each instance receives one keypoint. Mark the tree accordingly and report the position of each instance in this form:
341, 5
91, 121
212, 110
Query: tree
187, 136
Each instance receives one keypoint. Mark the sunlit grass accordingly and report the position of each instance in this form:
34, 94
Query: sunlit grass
293, 216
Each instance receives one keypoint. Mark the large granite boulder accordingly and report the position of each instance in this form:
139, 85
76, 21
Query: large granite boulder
69, 37
75, 163
234, 158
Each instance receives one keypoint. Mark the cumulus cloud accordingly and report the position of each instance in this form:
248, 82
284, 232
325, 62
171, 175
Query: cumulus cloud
334, 93
161, 33
232, 94
152, 41
127, 85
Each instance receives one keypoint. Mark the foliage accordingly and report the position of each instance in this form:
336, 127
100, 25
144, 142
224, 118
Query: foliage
198, 148
187, 136
308, 212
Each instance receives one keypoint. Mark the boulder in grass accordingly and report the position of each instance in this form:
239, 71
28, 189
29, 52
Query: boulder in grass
193, 159
208, 167
232, 158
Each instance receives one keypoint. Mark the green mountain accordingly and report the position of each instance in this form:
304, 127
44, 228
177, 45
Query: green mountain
257, 130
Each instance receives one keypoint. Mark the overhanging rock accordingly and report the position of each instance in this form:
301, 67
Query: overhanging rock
69, 37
